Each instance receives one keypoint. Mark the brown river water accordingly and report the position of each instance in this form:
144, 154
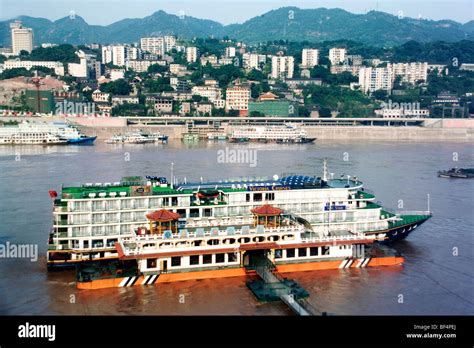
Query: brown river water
437, 277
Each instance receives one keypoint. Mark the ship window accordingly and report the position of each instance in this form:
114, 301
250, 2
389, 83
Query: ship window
247, 197
302, 252
232, 257
207, 258
174, 201
207, 212
325, 250
220, 258
181, 212
176, 261
269, 196
151, 263
194, 213
194, 260
314, 251
278, 254
257, 197
290, 252
166, 201
197, 243
213, 242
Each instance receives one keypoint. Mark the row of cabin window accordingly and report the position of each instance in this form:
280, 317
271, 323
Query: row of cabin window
194, 260
313, 251
258, 197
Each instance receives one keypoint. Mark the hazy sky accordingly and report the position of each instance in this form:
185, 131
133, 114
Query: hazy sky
104, 12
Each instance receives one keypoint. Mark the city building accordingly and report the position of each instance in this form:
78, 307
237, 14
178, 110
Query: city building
237, 98
84, 67
58, 67
100, 97
374, 79
161, 104
124, 99
116, 74
22, 38
158, 45
337, 55
253, 61
268, 104
210, 92
178, 69
309, 57
403, 113
191, 54
230, 52
339, 69
354, 59
410, 72
282, 67
212, 59
296, 82
139, 65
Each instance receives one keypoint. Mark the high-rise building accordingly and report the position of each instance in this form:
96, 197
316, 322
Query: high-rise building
253, 61
337, 55
282, 67
191, 54
410, 72
374, 79
237, 98
22, 38
158, 45
230, 52
309, 57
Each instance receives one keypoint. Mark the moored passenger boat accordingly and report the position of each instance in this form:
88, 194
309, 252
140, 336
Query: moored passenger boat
90, 219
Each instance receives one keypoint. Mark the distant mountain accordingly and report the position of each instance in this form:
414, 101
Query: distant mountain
288, 23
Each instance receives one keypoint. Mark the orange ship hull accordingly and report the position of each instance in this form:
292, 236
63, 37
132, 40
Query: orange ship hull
238, 272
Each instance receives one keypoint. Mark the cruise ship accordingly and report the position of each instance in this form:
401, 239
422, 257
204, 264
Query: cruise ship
280, 134
139, 137
89, 219
24, 134
43, 133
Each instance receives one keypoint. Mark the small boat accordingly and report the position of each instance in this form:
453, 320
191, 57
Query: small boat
190, 137
129, 138
457, 173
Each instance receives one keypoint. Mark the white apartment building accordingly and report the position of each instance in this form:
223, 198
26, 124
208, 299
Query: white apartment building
116, 54
191, 54
158, 45
210, 92
282, 67
230, 52
337, 55
82, 68
28, 64
178, 69
22, 38
139, 65
374, 79
309, 57
410, 72
237, 98
253, 61
116, 74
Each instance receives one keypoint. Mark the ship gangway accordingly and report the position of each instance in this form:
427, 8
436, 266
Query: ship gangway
279, 286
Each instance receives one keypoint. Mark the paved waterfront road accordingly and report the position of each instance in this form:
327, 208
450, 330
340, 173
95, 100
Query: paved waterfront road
433, 280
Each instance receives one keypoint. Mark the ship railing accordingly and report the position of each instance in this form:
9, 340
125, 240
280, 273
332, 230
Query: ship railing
334, 238
414, 212
222, 233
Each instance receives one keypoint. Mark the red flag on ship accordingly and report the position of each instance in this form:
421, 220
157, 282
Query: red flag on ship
53, 194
